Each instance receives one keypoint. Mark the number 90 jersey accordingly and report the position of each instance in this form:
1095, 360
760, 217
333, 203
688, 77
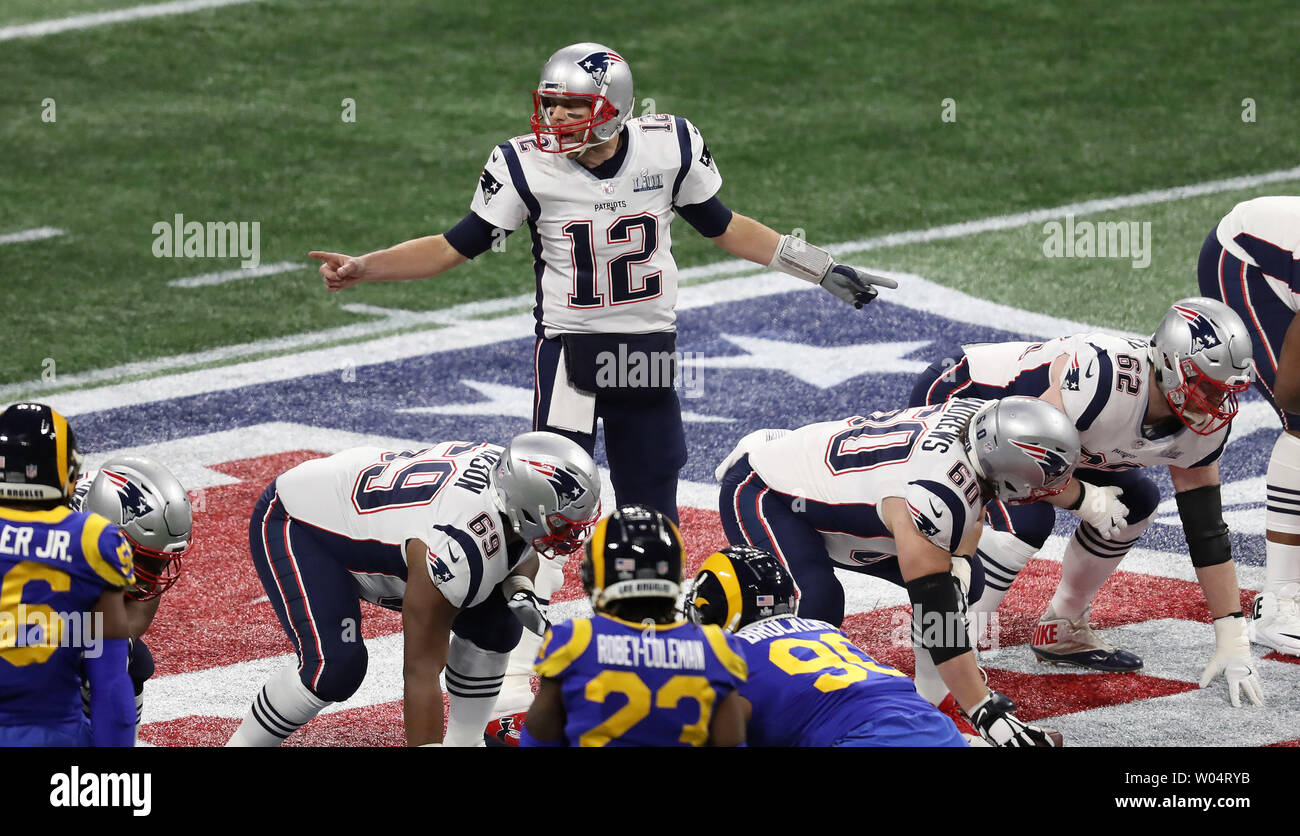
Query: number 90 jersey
602, 248
367, 502
842, 470
626, 684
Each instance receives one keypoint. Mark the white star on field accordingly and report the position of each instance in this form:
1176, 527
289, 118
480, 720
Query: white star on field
821, 366
517, 402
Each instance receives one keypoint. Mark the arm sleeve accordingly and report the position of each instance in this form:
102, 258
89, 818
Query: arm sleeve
472, 236
699, 177
112, 698
709, 218
497, 200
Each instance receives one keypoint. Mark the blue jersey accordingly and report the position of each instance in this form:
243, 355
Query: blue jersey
54, 565
810, 686
627, 684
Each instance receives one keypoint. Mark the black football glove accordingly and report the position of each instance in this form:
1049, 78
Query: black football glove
993, 719
854, 285
524, 604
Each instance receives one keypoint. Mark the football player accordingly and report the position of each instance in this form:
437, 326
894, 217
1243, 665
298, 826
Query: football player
449, 535
62, 573
1250, 262
1136, 403
149, 505
635, 674
900, 495
808, 685
598, 190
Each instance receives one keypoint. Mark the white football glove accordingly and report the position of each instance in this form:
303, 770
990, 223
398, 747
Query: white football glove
853, 284
522, 601
1232, 659
993, 719
1102, 509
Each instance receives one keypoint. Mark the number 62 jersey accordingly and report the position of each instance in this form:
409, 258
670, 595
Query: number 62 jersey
366, 502
842, 470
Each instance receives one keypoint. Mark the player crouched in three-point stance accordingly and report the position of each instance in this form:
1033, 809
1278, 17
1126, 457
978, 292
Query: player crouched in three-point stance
447, 535
152, 509
1136, 403
900, 495
808, 684
598, 190
62, 573
1251, 261
636, 674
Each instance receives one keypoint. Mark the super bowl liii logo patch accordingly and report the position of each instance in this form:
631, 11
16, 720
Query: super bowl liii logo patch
646, 182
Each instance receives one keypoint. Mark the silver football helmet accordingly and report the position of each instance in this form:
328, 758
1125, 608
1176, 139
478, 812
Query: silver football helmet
146, 501
549, 489
1023, 449
601, 79
1203, 359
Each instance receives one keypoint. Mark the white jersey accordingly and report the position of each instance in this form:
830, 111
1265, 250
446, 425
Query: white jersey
602, 247
440, 495
1105, 388
843, 470
1265, 233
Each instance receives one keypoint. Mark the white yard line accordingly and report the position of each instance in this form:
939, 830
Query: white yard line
89, 21
916, 293
241, 273
38, 234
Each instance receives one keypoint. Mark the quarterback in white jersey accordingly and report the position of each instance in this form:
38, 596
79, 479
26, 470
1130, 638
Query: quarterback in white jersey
1251, 261
900, 495
598, 189
449, 535
1136, 404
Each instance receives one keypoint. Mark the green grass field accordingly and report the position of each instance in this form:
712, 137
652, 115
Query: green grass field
823, 116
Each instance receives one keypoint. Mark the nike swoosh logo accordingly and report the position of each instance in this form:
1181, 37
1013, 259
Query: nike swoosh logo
938, 514
1092, 370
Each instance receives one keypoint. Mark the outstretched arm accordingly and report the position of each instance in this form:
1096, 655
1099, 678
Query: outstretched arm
419, 258
426, 631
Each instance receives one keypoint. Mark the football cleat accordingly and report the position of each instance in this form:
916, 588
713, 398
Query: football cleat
1071, 641
504, 731
1275, 619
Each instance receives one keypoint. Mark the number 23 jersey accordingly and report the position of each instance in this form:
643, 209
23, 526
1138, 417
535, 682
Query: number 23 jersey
602, 247
627, 684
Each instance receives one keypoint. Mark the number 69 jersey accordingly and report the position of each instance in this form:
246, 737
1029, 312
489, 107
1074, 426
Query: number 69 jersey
842, 470
365, 503
601, 244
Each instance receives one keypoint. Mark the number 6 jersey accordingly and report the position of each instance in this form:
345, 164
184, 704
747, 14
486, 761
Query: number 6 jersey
602, 247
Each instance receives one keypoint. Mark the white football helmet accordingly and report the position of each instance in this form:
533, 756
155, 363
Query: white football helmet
594, 74
1203, 359
1024, 449
144, 499
549, 489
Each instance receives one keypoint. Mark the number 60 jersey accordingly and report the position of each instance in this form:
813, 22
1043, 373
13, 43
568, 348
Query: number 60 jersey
601, 244
842, 470
365, 503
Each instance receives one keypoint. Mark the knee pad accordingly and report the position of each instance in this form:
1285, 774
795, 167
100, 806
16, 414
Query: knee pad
1282, 513
342, 673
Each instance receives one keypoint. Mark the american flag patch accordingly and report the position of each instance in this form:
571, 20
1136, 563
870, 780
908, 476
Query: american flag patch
765, 600
625, 564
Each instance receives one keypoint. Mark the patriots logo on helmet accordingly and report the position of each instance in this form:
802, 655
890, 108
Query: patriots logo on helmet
1053, 464
1203, 335
597, 64
566, 487
923, 523
133, 501
490, 186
